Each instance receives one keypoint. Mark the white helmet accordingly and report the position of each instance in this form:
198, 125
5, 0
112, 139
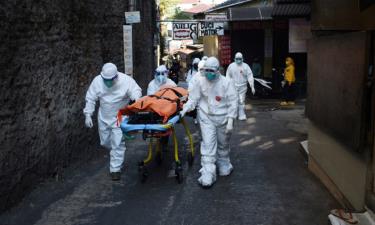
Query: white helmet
212, 63
162, 69
109, 71
238, 55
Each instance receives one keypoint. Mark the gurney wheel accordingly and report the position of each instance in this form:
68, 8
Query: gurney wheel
179, 173
190, 159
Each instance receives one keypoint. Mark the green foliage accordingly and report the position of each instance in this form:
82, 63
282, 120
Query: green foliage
181, 15
167, 8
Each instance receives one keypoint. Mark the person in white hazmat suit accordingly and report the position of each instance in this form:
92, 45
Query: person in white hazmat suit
193, 70
160, 79
218, 102
193, 80
114, 90
241, 74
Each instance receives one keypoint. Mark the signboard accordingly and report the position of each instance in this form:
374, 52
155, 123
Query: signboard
184, 31
299, 33
133, 17
225, 50
128, 49
211, 28
216, 17
193, 30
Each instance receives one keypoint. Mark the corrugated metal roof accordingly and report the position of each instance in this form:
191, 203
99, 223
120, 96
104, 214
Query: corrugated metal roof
291, 10
250, 13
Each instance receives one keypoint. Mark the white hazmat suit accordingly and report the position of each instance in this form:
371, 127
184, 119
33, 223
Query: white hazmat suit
217, 99
111, 99
161, 79
241, 74
193, 70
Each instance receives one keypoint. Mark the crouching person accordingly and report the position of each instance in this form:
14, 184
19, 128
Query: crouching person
217, 99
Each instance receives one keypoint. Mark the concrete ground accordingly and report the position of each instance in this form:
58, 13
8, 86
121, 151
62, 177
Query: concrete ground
270, 184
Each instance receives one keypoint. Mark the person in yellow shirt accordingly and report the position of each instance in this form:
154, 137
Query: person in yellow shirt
288, 83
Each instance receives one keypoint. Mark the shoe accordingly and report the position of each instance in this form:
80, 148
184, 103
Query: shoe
291, 103
115, 176
206, 180
283, 103
225, 170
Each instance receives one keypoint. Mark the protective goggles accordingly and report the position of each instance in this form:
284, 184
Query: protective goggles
209, 70
161, 73
111, 79
238, 58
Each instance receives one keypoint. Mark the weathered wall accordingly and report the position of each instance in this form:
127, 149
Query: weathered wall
50, 51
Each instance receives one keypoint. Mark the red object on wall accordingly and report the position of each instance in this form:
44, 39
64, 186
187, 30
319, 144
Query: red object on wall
225, 50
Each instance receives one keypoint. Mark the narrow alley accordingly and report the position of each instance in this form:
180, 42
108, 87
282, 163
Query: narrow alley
270, 184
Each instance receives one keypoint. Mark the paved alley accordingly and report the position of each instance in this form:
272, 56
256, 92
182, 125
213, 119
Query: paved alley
270, 184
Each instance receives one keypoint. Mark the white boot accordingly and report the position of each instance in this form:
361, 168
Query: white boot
225, 169
241, 112
206, 179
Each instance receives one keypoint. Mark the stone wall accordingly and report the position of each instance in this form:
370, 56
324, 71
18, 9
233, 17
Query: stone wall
50, 51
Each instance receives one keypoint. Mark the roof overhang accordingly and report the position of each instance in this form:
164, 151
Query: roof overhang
251, 13
292, 10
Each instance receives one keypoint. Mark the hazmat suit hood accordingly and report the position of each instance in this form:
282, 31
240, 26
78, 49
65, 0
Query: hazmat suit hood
161, 74
211, 68
238, 58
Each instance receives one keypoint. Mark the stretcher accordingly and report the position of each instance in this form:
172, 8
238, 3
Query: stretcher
154, 127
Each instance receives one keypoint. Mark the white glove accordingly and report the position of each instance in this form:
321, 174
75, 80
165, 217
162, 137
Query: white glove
182, 113
229, 128
88, 121
253, 90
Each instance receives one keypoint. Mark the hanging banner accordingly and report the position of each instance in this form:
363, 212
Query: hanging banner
216, 16
193, 30
211, 28
184, 31
128, 49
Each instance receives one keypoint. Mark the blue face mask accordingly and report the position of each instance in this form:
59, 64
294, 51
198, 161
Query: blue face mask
238, 61
161, 79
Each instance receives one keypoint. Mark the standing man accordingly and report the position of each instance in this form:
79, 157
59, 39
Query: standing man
241, 74
288, 83
217, 99
160, 79
114, 90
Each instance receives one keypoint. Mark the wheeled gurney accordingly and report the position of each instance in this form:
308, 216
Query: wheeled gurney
157, 125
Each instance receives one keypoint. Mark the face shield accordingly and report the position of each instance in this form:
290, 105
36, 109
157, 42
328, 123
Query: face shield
161, 77
238, 60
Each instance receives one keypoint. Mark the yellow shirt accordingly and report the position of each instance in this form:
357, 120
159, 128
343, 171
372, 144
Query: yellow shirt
289, 74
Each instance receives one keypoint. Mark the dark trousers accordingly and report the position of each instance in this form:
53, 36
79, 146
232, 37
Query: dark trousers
289, 92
